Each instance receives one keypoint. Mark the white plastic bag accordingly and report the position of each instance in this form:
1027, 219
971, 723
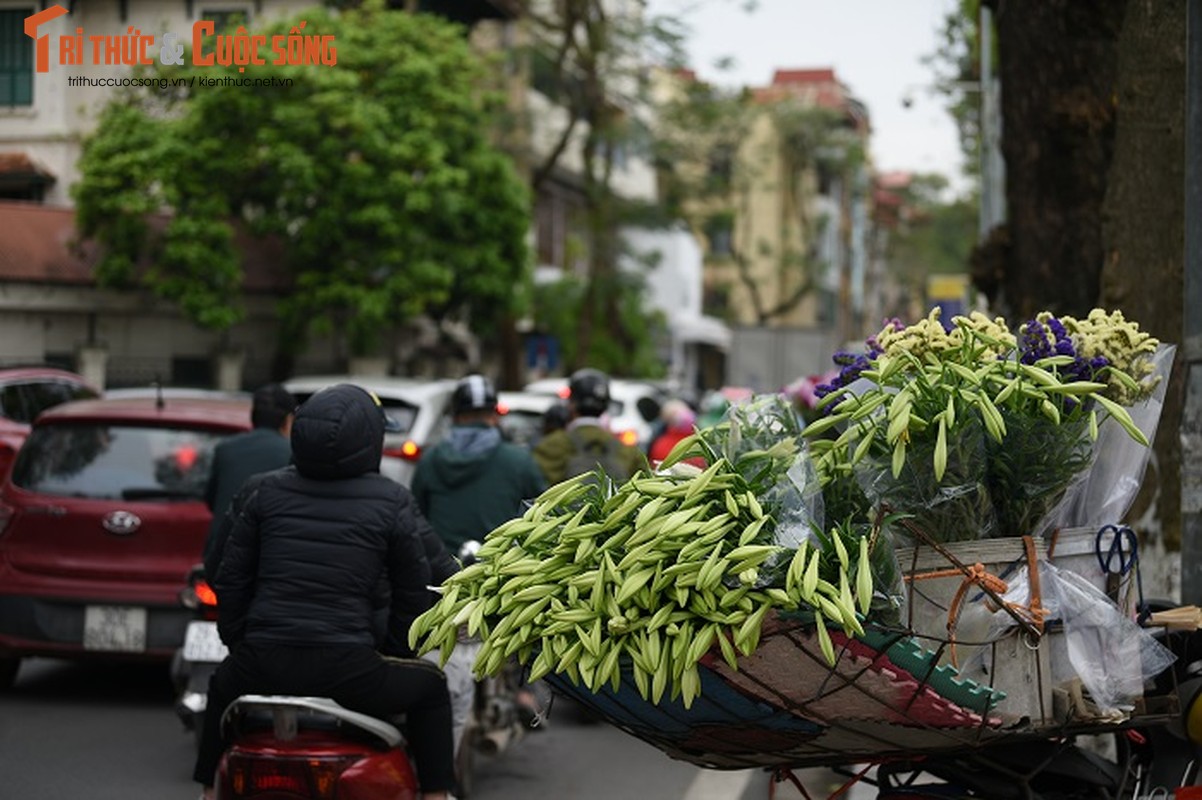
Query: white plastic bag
1111, 654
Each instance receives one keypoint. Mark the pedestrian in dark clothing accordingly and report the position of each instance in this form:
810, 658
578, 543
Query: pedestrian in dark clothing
263, 448
313, 550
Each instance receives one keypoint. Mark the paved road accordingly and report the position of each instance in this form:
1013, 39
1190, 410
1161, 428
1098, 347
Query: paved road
107, 732
100, 732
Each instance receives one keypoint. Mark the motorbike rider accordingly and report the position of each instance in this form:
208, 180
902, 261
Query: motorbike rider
313, 550
466, 486
473, 481
560, 453
263, 448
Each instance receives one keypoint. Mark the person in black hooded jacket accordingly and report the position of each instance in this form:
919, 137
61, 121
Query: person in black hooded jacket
315, 549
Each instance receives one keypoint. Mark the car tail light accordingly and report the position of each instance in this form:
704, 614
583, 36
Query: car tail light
628, 437
408, 451
258, 776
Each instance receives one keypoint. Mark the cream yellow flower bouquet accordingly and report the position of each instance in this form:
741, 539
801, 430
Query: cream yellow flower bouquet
976, 431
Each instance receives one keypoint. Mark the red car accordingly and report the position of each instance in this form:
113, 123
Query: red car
26, 392
101, 517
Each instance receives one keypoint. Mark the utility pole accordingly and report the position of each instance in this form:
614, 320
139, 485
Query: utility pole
1191, 419
993, 171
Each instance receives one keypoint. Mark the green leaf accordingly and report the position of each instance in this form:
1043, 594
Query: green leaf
1121, 416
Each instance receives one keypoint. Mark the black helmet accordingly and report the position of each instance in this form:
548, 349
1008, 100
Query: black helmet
473, 393
588, 392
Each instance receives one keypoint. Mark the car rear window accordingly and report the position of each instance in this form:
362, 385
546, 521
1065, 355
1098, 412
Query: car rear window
399, 410
111, 462
521, 427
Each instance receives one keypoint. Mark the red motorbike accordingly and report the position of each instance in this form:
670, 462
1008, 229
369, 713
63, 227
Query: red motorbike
286, 747
283, 746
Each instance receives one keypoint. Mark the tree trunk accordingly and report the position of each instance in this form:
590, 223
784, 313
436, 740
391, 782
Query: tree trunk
513, 375
1093, 137
1143, 226
1058, 69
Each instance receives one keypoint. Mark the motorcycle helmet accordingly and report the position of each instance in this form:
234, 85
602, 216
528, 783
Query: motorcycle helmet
588, 392
473, 393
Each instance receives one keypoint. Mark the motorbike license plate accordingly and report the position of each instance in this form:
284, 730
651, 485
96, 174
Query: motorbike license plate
202, 643
116, 628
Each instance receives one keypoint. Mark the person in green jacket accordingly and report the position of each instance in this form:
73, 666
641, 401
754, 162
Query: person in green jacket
469, 484
473, 480
586, 443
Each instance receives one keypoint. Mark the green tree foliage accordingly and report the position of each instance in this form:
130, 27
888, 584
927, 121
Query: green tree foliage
935, 236
559, 305
375, 174
589, 60
957, 63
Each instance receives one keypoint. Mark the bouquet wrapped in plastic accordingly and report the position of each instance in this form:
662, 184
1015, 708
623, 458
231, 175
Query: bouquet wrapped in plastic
976, 432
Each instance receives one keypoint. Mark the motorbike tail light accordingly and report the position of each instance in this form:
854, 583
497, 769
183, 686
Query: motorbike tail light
629, 437
205, 596
408, 451
198, 595
256, 776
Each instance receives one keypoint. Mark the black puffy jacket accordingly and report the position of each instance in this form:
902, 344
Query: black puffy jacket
316, 547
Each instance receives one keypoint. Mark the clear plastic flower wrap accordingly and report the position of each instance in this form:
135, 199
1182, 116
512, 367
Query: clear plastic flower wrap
956, 507
1111, 654
1030, 472
767, 425
1104, 492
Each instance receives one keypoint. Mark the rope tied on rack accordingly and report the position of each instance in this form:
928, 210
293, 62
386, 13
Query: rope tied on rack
975, 575
1033, 612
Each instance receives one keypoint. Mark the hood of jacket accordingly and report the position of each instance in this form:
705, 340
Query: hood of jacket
465, 454
338, 433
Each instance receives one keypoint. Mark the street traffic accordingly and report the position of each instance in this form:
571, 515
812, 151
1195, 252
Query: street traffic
108, 732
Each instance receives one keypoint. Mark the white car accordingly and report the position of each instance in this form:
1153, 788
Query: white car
521, 415
422, 407
633, 406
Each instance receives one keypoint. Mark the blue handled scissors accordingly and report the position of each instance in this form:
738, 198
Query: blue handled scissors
1120, 558
1124, 546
